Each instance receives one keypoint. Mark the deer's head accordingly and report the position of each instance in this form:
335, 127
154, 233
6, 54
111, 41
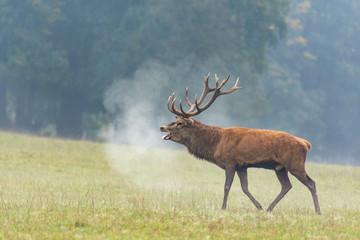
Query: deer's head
180, 130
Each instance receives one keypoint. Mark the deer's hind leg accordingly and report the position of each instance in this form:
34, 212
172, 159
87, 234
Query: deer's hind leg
283, 177
242, 173
310, 184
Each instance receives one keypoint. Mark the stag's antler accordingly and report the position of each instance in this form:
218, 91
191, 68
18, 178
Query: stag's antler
195, 108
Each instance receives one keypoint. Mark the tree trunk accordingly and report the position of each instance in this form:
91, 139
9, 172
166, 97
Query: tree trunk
69, 121
30, 108
20, 107
4, 121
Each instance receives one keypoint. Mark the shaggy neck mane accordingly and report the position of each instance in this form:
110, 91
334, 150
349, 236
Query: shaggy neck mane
203, 141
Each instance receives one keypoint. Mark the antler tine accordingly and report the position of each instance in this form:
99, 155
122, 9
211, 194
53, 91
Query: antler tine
173, 109
168, 104
206, 79
173, 99
206, 90
192, 106
187, 97
197, 106
182, 110
216, 81
224, 81
235, 87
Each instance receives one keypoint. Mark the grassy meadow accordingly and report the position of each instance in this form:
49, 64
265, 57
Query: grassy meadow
62, 189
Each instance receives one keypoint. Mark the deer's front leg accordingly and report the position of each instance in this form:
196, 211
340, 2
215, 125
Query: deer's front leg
242, 173
229, 173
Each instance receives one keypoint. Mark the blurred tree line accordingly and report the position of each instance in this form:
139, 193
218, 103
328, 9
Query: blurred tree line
313, 79
58, 57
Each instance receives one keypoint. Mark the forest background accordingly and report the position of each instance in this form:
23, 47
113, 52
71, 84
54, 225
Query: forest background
72, 68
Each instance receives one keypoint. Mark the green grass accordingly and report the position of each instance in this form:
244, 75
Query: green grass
58, 189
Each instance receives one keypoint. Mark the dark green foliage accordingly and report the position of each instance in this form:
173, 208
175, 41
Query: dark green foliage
59, 56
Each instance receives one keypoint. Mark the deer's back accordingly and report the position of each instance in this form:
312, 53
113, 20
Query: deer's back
247, 146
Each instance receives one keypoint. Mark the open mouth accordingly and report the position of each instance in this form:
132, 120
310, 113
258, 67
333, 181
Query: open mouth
167, 137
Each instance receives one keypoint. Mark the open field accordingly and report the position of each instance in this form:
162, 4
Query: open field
57, 189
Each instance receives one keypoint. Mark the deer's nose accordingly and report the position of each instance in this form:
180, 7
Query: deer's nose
162, 128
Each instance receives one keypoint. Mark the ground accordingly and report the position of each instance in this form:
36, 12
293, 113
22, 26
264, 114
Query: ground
62, 189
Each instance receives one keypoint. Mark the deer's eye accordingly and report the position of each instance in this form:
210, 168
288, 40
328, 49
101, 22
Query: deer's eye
179, 124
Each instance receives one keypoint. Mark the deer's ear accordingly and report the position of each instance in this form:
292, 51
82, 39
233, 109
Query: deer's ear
189, 121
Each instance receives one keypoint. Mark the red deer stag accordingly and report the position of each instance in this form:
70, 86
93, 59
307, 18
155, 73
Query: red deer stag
235, 149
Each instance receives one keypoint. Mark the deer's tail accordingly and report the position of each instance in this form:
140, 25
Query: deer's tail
308, 144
